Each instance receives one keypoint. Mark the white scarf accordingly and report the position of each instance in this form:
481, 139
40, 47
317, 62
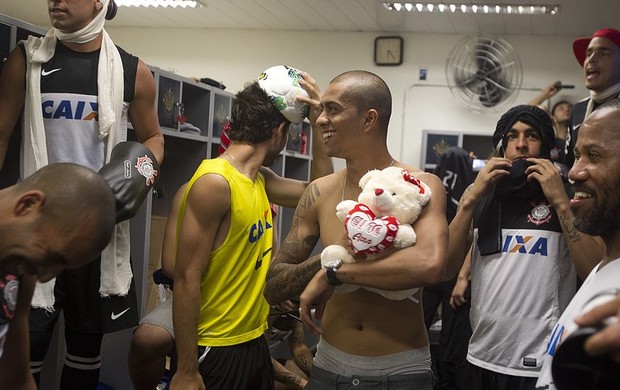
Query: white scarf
601, 97
115, 266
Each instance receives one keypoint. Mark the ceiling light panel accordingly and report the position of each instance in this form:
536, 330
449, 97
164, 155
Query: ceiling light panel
523, 9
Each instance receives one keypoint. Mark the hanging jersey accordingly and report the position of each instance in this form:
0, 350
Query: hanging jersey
9, 287
69, 103
233, 309
519, 293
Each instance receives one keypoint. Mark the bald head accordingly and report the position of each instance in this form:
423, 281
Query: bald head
367, 91
78, 204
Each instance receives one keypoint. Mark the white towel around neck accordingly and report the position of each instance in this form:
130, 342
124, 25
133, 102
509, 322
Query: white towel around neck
116, 272
601, 97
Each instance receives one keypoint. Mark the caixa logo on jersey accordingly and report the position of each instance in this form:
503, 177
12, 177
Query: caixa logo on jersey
525, 244
67, 109
257, 230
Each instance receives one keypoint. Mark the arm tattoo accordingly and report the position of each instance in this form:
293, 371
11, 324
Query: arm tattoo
571, 232
304, 361
289, 378
302, 356
283, 375
291, 270
289, 280
466, 192
470, 234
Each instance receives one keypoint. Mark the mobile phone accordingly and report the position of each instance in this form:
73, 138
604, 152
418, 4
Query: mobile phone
477, 164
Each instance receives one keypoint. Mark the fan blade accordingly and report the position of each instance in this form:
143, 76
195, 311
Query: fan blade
472, 83
491, 95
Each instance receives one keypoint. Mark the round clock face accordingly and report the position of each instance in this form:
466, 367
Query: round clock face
388, 50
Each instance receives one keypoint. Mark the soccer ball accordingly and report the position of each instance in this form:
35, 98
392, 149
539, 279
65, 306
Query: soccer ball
281, 83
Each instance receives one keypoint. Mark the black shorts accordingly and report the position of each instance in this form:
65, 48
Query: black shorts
486, 379
245, 366
85, 310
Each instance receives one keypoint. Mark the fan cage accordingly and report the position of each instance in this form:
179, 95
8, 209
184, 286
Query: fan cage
484, 73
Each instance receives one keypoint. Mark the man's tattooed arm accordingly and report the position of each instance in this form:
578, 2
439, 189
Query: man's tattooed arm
291, 269
283, 375
302, 355
585, 251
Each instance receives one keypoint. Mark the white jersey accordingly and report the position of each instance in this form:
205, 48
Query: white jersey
517, 297
72, 131
608, 278
70, 107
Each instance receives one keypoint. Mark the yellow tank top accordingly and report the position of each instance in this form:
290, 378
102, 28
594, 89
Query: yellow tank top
233, 309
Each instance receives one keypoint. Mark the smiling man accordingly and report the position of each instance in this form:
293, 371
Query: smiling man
518, 218
600, 58
356, 348
49, 223
596, 206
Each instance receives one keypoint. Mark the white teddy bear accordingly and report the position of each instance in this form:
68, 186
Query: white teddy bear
390, 202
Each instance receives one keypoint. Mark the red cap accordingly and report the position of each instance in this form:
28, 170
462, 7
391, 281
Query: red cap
581, 44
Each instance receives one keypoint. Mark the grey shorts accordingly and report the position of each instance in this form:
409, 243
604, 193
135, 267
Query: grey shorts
331, 359
335, 369
161, 316
324, 380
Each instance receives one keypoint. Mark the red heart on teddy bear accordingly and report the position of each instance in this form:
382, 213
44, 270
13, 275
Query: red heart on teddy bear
367, 233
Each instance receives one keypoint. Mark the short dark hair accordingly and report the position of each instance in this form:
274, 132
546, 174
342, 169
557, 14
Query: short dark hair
75, 197
253, 116
368, 91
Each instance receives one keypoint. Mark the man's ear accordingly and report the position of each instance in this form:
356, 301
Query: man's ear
29, 202
283, 129
371, 117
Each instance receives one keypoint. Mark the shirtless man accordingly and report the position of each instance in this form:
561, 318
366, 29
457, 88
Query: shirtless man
366, 339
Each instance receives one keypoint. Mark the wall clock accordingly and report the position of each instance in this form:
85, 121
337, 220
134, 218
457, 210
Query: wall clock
388, 50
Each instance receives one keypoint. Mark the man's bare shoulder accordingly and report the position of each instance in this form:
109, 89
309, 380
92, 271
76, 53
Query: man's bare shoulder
328, 184
331, 179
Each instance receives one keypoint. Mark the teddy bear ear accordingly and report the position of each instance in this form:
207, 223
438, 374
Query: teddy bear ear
369, 175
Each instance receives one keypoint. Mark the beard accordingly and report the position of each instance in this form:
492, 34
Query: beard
603, 218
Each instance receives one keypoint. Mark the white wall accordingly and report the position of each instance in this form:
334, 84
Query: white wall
235, 57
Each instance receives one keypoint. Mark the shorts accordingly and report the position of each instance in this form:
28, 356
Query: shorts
161, 316
85, 310
245, 366
324, 380
482, 378
331, 359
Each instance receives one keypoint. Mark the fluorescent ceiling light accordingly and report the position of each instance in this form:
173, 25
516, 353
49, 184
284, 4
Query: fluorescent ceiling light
523, 9
159, 3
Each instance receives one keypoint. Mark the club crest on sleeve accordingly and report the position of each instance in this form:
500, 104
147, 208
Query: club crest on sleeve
145, 168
